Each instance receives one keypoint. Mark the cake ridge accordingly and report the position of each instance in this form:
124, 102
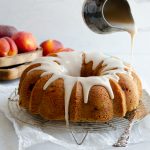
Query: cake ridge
69, 68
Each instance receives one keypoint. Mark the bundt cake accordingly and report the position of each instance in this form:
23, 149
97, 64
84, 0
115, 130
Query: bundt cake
79, 87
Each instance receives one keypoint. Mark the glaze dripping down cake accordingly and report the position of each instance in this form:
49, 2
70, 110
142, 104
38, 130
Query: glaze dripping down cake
79, 86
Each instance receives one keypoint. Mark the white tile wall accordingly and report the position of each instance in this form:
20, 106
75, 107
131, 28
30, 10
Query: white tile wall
62, 20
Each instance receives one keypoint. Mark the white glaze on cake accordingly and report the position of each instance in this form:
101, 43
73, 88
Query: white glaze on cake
67, 66
97, 60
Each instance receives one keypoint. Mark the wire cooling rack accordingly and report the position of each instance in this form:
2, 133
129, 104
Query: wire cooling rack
23, 116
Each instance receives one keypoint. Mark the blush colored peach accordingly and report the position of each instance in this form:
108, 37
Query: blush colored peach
66, 50
13, 47
51, 46
25, 41
4, 47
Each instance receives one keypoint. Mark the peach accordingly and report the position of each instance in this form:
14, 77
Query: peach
6, 30
4, 47
51, 46
62, 50
13, 47
25, 41
66, 50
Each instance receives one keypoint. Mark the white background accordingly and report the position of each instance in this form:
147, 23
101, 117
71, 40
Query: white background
62, 20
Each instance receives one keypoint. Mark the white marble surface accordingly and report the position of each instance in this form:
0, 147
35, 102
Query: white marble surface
61, 19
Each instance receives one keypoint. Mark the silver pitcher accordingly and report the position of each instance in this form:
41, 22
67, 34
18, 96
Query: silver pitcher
100, 14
